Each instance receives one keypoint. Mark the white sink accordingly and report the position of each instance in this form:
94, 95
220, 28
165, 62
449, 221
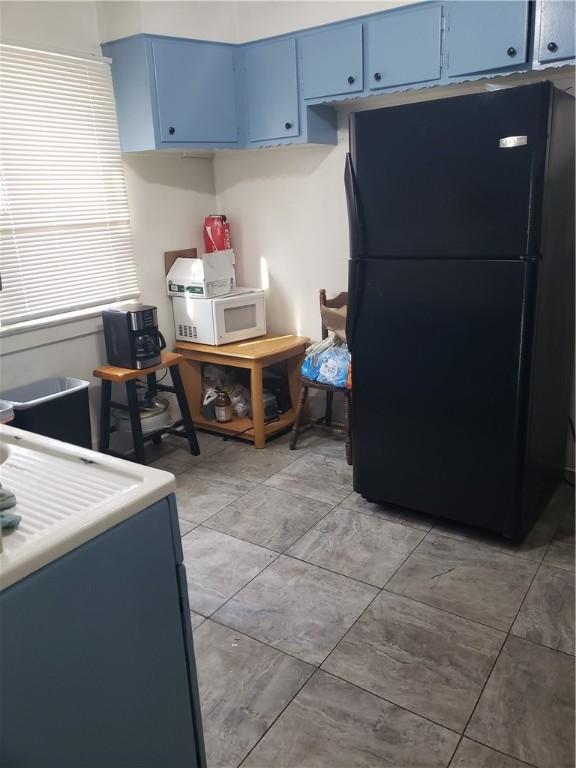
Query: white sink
66, 495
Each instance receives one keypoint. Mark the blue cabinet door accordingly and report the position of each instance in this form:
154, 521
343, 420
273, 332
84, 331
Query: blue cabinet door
332, 62
556, 38
484, 35
97, 662
404, 47
271, 80
195, 89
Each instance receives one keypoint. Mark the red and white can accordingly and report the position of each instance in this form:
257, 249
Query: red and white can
216, 234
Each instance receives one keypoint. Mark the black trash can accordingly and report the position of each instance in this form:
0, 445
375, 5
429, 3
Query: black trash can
56, 407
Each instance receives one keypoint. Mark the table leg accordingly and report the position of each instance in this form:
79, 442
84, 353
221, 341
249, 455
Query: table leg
184, 410
191, 375
104, 436
257, 393
134, 411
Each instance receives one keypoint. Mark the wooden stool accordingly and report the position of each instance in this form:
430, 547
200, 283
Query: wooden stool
128, 376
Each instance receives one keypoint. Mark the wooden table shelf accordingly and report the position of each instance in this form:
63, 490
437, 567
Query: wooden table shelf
253, 355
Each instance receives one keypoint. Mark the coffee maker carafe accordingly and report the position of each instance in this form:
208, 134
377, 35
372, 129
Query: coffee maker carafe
132, 336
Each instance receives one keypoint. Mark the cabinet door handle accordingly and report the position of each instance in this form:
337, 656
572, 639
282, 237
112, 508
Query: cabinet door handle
552, 47
511, 51
377, 76
351, 80
171, 130
288, 126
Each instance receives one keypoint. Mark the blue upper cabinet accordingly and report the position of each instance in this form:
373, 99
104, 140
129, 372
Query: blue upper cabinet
404, 47
271, 96
332, 62
196, 91
174, 93
485, 36
179, 93
554, 30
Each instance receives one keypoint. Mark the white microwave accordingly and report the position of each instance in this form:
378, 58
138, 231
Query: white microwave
220, 320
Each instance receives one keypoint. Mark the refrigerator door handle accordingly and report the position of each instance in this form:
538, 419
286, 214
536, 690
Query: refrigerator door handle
355, 290
355, 216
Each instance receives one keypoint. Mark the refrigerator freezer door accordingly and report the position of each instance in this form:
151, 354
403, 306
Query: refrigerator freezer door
437, 368
445, 179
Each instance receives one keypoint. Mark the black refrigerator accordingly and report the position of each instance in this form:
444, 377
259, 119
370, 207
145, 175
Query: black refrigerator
460, 316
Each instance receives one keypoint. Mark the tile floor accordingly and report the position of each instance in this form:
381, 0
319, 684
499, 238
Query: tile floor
334, 633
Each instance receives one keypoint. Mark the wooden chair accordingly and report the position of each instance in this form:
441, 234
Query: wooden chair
336, 303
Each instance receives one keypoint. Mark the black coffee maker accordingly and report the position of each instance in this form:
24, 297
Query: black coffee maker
132, 336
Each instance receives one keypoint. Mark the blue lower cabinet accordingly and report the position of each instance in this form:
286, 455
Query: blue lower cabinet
404, 47
332, 62
484, 35
97, 663
271, 90
196, 91
555, 27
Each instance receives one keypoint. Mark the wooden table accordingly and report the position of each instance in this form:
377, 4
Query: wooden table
253, 355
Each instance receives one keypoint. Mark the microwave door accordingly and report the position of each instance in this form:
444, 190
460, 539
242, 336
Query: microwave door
239, 318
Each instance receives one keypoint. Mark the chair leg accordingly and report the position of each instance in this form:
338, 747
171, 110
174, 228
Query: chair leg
328, 411
348, 426
299, 414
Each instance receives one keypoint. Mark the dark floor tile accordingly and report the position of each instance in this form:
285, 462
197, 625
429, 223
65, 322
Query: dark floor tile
185, 526
174, 455
316, 476
196, 619
527, 707
547, 614
269, 517
298, 608
244, 461
388, 512
426, 660
332, 724
532, 547
471, 581
357, 545
167, 463
561, 551
244, 686
333, 446
217, 566
470, 754
201, 492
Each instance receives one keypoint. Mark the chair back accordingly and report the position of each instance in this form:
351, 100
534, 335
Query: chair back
336, 303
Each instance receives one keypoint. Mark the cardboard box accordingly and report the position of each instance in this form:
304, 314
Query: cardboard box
204, 278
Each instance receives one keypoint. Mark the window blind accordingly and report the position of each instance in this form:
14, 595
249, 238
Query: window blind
65, 240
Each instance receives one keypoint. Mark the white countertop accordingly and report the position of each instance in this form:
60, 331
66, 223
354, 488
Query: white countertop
66, 496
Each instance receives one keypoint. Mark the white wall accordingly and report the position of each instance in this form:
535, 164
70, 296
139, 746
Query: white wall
201, 20
223, 20
275, 17
69, 25
287, 210
168, 196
